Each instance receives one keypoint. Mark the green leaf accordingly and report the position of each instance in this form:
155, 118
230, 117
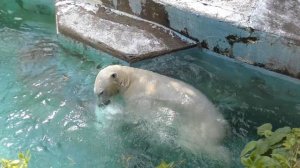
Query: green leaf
276, 137
296, 131
22, 161
163, 164
248, 148
262, 147
21, 155
276, 146
27, 156
280, 148
281, 151
293, 159
290, 141
285, 130
265, 129
283, 160
266, 162
247, 162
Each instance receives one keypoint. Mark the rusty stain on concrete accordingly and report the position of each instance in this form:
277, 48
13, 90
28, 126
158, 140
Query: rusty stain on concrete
236, 39
225, 52
150, 10
204, 44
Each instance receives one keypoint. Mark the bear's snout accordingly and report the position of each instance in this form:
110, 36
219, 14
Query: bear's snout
103, 103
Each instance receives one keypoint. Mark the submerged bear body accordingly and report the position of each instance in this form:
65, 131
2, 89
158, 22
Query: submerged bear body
199, 124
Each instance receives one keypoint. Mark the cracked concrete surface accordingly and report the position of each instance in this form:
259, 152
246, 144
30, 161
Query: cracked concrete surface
128, 38
278, 17
235, 11
275, 26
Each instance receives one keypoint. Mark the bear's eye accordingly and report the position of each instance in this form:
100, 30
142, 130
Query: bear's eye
101, 93
114, 75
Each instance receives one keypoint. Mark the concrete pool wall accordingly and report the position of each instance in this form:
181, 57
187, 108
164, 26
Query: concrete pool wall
261, 33
257, 32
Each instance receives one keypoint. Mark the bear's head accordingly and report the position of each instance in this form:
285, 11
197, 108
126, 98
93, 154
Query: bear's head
109, 82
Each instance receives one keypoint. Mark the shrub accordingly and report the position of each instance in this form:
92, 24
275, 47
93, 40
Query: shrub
163, 164
280, 148
21, 162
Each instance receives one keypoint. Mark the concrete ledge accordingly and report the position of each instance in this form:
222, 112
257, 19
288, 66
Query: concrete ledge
129, 38
258, 32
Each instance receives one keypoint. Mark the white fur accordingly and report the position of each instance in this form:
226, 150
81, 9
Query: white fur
200, 126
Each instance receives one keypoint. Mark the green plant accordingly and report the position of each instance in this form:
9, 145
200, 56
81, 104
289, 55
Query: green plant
163, 164
21, 162
280, 148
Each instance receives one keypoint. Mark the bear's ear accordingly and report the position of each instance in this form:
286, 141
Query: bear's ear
113, 75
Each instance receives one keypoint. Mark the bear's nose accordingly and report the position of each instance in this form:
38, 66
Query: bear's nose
104, 103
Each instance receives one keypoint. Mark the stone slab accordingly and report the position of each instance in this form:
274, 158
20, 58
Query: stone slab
259, 32
129, 38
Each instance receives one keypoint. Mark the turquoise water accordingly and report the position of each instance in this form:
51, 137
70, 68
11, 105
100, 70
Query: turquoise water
48, 106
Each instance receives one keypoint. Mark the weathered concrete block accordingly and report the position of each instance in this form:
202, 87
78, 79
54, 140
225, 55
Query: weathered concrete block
263, 33
124, 36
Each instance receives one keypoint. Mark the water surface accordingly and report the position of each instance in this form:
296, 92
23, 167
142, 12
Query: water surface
48, 106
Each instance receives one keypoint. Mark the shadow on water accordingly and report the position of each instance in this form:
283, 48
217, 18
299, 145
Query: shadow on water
47, 102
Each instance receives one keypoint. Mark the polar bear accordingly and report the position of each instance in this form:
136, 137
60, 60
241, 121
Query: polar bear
200, 125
